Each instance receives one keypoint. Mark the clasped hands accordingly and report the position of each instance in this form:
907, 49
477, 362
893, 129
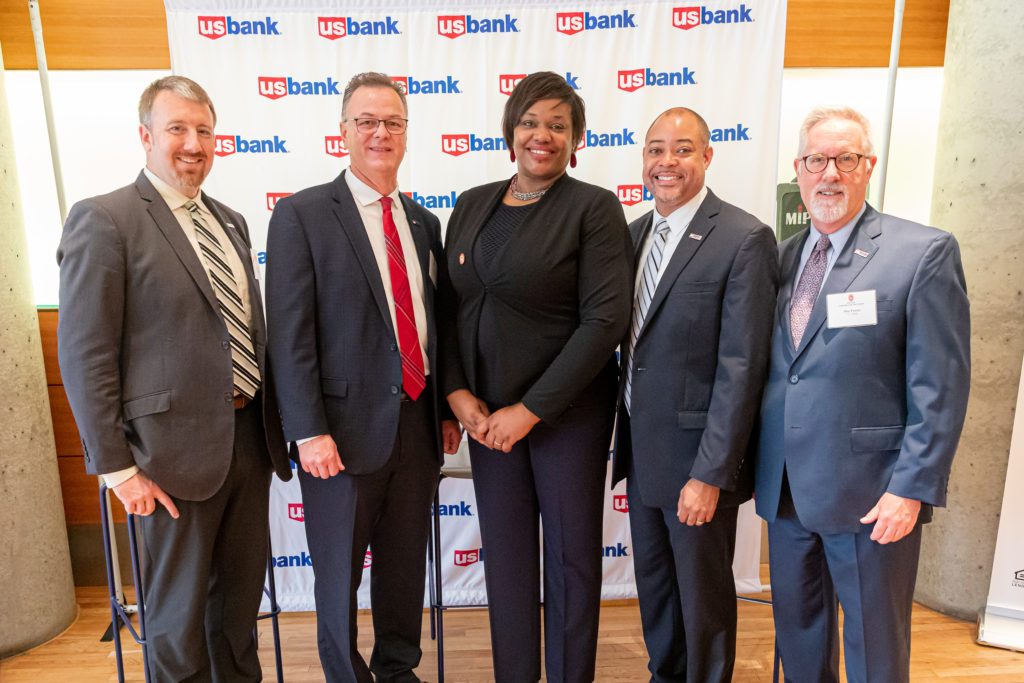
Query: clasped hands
499, 430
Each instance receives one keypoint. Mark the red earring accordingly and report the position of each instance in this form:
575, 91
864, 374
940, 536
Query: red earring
512, 155
572, 160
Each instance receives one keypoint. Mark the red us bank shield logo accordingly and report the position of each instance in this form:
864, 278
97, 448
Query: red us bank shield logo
296, 513
403, 83
630, 194
508, 82
464, 558
631, 79
569, 23
331, 28
273, 87
335, 146
451, 26
620, 503
455, 145
686, 17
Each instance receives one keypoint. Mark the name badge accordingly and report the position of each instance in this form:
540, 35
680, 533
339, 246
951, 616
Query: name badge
852, 309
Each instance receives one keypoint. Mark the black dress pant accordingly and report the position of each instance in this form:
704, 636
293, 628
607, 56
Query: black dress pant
389, 512
556, 476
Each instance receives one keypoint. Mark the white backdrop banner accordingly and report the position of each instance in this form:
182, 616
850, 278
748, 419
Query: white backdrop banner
276, 72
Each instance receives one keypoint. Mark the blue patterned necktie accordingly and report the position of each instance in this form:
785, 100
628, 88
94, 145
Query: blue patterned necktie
807, 289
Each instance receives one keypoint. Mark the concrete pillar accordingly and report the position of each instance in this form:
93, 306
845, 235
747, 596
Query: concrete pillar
979, 196
37, 599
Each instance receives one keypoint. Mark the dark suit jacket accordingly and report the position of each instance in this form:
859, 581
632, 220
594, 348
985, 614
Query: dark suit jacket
338, 367
701, 358
558, 293
858, 411
143, 348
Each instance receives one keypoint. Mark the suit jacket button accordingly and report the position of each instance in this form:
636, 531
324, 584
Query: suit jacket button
394, 389
793, 379
225, 345
228, 398
394, 347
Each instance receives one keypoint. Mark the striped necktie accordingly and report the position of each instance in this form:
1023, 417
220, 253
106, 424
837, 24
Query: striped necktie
413, 376
644, 294
243, 360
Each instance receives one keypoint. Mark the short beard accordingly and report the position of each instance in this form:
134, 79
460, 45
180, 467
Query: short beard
827, 213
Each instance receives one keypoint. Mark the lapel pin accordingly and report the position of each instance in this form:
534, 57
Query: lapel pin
694, 236
861, 253
462, 258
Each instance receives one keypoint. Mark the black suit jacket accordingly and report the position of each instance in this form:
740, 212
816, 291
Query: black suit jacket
558, 295
144, 352
338, 367
701, 359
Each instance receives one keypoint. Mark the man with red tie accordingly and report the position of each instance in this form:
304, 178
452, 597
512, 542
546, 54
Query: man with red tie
351, 272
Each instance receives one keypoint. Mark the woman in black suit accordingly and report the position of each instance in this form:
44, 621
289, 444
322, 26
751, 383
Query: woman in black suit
537, 297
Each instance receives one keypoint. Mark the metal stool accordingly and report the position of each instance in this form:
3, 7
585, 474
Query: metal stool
120, 609
456, 467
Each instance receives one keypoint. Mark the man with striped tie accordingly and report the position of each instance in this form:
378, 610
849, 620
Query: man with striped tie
162, 344
693, 367
352, 266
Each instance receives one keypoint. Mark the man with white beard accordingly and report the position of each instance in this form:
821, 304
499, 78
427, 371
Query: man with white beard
866, 395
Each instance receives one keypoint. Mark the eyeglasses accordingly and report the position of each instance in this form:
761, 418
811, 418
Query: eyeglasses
845, 162
394, 126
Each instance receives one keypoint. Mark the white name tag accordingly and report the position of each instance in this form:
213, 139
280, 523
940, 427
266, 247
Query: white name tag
852, 309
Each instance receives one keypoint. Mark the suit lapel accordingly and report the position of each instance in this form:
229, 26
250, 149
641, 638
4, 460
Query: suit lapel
696, 233
848, 266
352, 227
175, 236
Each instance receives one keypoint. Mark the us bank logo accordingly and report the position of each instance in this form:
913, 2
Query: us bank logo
333, 28
464, 558
620, 503
633, 194
296, 513
334, 146
616, 139
686, 18
508, 82
457, 144
631, 80
218, 27
276, 87
571, 23
433, 201
446, 85
226, 145
457, 25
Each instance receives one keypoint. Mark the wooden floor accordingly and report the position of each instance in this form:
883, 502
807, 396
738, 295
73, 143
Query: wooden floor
943, 648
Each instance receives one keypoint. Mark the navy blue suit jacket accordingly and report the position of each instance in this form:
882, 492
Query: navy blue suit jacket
700, 359
338, 368
855, 412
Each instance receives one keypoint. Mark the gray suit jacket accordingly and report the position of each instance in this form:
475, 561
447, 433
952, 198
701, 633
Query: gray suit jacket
855, 412
701, 358
143, 348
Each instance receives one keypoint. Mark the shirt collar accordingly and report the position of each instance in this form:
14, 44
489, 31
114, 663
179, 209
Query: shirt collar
366, 195
680, 219
174, 199
840, 237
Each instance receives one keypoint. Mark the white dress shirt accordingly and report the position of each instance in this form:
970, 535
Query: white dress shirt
678, 222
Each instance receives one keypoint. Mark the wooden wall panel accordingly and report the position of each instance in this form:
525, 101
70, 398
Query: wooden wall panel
113, 34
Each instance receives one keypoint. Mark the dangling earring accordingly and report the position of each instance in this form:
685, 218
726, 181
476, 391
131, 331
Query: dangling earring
512, 155
572, 160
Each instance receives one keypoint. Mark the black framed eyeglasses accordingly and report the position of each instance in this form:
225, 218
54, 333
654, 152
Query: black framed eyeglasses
845, 162
394, 126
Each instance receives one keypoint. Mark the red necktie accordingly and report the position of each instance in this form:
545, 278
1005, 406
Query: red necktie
413, 377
